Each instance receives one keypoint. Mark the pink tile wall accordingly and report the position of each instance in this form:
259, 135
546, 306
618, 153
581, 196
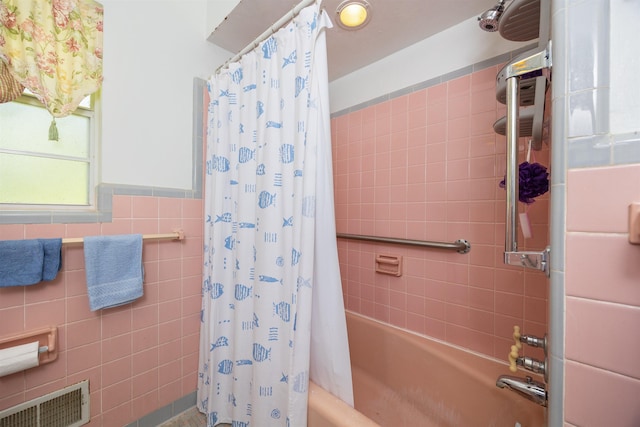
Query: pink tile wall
427, 166
138, 357
602, 280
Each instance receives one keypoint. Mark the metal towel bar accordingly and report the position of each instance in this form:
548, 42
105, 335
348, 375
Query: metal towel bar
461, 246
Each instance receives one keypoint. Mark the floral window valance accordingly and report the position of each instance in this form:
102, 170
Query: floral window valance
54, 49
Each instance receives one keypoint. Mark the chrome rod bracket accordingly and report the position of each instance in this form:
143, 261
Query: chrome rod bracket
467, 246
530, 259
534, 65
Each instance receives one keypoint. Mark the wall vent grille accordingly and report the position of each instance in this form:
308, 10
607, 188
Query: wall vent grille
68, 407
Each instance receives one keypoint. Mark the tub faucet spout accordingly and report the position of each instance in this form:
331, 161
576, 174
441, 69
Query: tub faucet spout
528, 388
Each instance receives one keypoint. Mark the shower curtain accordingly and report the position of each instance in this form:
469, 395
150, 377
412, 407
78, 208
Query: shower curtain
269, 240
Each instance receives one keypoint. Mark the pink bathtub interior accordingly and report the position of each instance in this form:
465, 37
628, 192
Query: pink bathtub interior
403, 379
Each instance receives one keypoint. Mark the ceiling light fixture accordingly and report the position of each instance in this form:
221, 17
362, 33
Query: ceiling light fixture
353, 14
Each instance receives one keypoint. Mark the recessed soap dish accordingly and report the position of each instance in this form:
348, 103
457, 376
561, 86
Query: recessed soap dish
389, 264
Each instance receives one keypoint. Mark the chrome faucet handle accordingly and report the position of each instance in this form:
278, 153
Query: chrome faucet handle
528, 363
530, 340
533, 365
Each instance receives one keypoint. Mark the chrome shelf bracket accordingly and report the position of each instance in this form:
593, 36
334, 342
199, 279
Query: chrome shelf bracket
529, 259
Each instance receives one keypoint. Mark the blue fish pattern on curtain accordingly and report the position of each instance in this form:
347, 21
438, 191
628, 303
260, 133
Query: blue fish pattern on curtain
259, 231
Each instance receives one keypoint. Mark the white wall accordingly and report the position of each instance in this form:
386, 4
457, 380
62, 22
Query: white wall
457, 47
152, 52
624, 63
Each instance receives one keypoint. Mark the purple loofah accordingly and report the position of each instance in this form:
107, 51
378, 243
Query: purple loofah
533, 181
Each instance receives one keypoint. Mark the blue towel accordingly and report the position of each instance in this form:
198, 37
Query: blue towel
113, 267
21, 262
52, 258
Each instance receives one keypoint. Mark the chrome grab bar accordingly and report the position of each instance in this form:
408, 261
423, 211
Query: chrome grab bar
511, 180
538, 64
461, 246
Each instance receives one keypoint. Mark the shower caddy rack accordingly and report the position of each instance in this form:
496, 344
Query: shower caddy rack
522, 86
537, 65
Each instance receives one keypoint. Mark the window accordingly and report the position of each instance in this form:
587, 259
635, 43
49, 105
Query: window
41, 173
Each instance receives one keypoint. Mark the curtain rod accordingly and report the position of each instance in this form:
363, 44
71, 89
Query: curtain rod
176, 235
272, 29
461, 246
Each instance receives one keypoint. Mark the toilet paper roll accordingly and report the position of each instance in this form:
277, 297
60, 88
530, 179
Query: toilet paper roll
18, 358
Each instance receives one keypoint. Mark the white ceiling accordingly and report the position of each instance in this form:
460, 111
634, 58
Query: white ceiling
394, 25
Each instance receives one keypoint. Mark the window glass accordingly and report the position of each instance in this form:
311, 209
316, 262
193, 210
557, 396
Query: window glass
37, 171
25, 127
28, 179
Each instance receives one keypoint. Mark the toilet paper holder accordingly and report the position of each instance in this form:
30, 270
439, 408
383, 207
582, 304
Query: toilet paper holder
47, 338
